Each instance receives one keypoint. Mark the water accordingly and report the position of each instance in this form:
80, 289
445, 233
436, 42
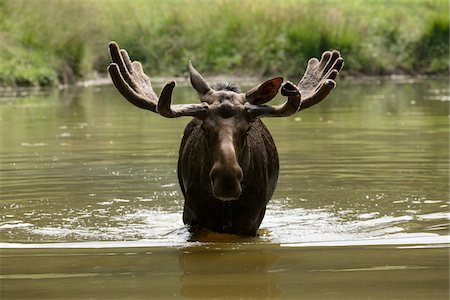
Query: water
90, 205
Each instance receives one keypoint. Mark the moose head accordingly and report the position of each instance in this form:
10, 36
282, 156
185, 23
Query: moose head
228, 163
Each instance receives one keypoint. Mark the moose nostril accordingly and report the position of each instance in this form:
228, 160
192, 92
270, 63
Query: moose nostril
240, 174
213, 174
226, 189
225, 182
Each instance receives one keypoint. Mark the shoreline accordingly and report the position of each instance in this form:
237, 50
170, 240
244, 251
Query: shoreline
158, 82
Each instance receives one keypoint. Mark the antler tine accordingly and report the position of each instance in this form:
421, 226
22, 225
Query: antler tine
130, 79
291, 106
166, 109
319, 77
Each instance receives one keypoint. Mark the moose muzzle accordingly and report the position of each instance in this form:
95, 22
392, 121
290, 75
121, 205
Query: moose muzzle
226, 181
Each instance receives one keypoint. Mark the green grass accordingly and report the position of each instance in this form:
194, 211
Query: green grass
43, 42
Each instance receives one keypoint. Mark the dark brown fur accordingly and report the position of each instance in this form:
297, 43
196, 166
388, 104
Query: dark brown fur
259, 163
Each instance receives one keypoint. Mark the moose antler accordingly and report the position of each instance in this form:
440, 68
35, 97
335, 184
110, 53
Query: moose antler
131, 81
318, 80
291, 106
166, 109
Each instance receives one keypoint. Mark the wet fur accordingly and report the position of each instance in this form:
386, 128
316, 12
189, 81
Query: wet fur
260, 165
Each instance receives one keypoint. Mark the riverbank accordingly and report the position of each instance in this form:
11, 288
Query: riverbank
240, 38
14, 92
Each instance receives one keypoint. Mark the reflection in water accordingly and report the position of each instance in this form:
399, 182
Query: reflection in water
221, 270
243, 273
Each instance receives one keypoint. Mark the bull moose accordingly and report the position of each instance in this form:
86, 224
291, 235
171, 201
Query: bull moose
228, 162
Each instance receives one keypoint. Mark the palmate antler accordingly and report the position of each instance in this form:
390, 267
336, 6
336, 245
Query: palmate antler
131, 81
318, 80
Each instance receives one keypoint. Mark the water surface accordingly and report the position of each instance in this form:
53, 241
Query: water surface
89, 196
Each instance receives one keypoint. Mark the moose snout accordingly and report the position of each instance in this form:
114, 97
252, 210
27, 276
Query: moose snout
226, 181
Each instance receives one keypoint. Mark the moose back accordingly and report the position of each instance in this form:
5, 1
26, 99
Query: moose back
228, 162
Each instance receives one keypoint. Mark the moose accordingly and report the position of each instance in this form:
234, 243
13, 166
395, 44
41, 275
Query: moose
228, 162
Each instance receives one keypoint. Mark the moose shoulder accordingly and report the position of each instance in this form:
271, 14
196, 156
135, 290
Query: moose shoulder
228, 163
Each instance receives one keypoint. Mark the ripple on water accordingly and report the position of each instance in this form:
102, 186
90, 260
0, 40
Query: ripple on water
435, 216
282, 225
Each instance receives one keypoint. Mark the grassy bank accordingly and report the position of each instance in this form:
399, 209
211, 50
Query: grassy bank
43, 42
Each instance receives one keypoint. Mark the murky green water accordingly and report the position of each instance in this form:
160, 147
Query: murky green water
90, 205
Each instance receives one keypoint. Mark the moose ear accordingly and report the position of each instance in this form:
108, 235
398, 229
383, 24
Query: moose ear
264, 92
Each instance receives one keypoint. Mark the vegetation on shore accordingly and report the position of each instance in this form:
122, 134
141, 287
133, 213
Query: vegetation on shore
46, 42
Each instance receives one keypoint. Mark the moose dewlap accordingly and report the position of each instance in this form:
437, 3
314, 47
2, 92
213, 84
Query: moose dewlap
228, 162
